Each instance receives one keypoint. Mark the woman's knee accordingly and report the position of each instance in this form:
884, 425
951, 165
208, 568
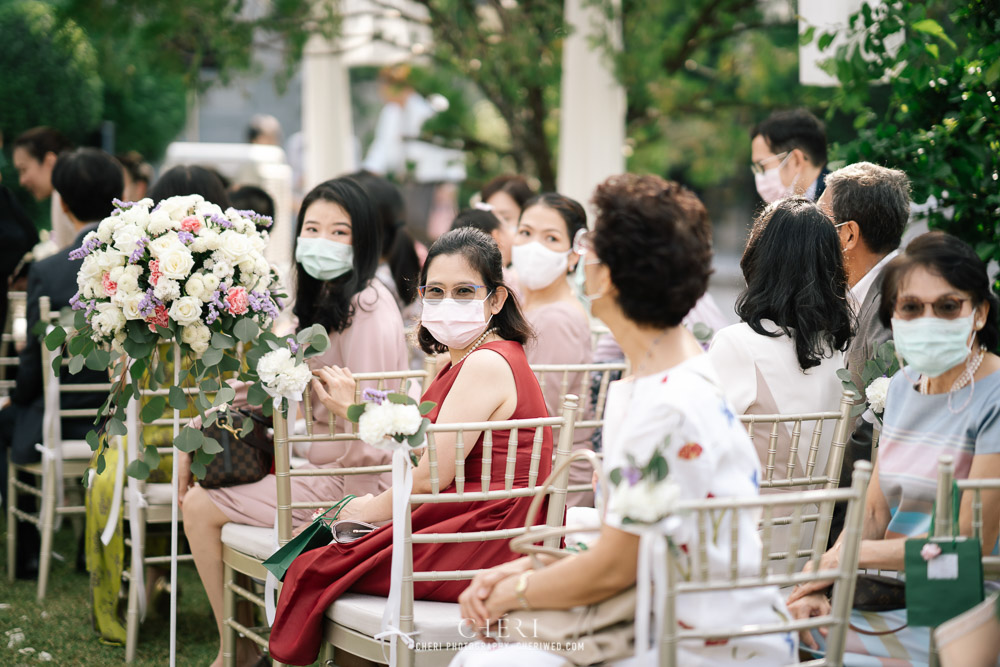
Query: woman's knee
199, 509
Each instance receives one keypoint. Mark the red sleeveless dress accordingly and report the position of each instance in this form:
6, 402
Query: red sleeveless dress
319, 577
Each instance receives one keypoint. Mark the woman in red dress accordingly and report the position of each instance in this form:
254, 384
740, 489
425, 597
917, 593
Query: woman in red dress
469, 313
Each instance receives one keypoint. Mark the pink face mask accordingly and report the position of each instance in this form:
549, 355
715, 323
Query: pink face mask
454, 324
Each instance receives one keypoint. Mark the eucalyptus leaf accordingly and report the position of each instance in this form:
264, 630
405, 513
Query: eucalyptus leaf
222, 341
246, 330
116, 426
209, 384
101, 463
189, 439
178, 400
202, 403
138, 469
151, 456
225, 396
256, 394
203, 457
616, 476
55, 338
426, 407
211, 357
198, 470
57, 364
137, 370
355, 411
153, 409
400, 399
845, 375
98, 360
229, 364
94, 440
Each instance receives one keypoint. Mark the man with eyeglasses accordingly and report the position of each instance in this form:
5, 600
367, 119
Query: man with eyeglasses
788, 155
869, 205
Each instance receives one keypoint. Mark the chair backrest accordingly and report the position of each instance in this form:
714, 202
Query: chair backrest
587, 381
15, 328
813, 475
943, 513
688, 572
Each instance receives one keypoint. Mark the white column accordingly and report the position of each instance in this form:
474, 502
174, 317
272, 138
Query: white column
592, 115
326, 114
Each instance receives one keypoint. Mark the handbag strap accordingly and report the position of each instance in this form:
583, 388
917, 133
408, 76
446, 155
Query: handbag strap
339, 506
526, 543
876, 633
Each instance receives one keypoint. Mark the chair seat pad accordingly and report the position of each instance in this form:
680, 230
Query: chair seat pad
76, 449
436, 622
250, 540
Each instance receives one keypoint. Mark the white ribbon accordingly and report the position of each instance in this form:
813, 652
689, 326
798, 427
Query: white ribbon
651, 589
116, 500
271, 583
402, 485
51, 445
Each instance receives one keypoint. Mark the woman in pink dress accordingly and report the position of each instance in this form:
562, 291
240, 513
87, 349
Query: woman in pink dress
336, 253
543, 258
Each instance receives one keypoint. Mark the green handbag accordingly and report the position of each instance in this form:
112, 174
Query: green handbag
316, 535
948, 584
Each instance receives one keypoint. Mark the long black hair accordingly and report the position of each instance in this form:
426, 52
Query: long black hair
398, 250
568, 209
794, 268
483, 255
329, 302
190, 180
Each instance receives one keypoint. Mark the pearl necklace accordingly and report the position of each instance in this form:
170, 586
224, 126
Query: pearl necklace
479, 341
968, 376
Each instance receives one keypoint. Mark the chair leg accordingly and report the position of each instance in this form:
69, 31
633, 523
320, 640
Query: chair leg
11, 521
47, 526
135, 580
228, 614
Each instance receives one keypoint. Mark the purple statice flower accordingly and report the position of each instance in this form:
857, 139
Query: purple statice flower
91, 307
215, 304
76, 303
149, 303
122, 205
186, 238
155, 208
84, 250
293, 345
221, 221
374, 395
261, 302
140, 250
257, 219
632, 475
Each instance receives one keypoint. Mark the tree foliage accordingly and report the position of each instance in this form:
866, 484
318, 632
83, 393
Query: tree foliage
942, 123
49, 72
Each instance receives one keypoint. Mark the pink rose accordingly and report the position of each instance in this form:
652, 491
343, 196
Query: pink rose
154, 272
191, 224
237, 301
158, 318
110, 286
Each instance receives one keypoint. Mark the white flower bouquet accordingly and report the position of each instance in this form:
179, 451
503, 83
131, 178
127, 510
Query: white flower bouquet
391, 420
183, 271
875, 378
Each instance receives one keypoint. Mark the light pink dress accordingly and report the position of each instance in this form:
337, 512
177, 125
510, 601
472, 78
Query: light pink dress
562, 333
373, 343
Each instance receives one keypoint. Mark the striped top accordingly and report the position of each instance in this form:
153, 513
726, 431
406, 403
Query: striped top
920, 428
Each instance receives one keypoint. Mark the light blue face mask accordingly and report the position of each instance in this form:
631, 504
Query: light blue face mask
324, 259
931, 345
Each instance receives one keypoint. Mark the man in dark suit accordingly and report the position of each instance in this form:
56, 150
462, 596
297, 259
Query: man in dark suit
869, 205
87, 180
788, 155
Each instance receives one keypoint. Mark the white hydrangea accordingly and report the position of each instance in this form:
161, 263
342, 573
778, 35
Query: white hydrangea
646, 501
197, 337
107, 320
186, 310
282, 376
167, 290
876, 394
176, 263
406, 419
375, 424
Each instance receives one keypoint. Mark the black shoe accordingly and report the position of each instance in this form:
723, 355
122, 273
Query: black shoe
26, 568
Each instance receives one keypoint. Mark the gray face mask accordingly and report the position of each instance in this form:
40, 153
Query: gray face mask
324, 259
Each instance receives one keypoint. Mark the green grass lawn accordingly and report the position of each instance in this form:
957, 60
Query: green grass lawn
61, 625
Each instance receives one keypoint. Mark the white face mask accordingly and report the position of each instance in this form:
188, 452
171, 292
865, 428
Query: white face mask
769, 185
537, 266
454, 324
324, 259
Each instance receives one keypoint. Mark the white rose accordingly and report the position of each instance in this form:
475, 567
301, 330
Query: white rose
90, 270
186, 310
195, 287
130, 305
196, 336
126, 237
176, 263
179, 206
107, 320
164, 244
234, 246
206, 241
109, 259
375, 424
406, 419
876, 393
167, 290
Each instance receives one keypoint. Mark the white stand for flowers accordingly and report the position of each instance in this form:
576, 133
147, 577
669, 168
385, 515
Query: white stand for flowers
174, 506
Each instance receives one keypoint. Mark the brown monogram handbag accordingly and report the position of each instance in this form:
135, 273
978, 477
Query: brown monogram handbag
243, 460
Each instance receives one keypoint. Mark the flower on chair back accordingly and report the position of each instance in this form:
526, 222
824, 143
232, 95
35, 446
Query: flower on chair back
390, 419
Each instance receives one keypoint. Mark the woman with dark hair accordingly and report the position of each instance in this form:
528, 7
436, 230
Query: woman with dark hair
336, 253
646, 264
506, 196
937, 298
543, 259
469, 314
190, 180
399, 265
784, 355
35, 152
486, 220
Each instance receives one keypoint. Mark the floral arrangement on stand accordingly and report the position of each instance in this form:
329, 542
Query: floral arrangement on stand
391, 420
183, 272
875, 377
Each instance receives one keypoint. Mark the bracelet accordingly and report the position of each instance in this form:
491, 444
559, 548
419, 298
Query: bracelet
521, 588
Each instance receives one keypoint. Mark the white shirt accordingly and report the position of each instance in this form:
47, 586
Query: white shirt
859, 292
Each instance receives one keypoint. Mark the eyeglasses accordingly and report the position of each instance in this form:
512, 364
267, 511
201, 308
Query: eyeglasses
945, 308
462, 292
758, 167
583, 242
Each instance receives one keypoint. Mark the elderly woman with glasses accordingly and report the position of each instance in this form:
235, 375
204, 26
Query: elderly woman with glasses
937, 298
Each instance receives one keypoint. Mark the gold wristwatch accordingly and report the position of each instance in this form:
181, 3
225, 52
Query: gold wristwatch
521, 588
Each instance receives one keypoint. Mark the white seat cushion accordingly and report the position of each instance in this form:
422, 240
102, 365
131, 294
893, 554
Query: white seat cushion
436, 622
250, 540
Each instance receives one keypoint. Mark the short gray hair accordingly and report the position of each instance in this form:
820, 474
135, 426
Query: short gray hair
877, 198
